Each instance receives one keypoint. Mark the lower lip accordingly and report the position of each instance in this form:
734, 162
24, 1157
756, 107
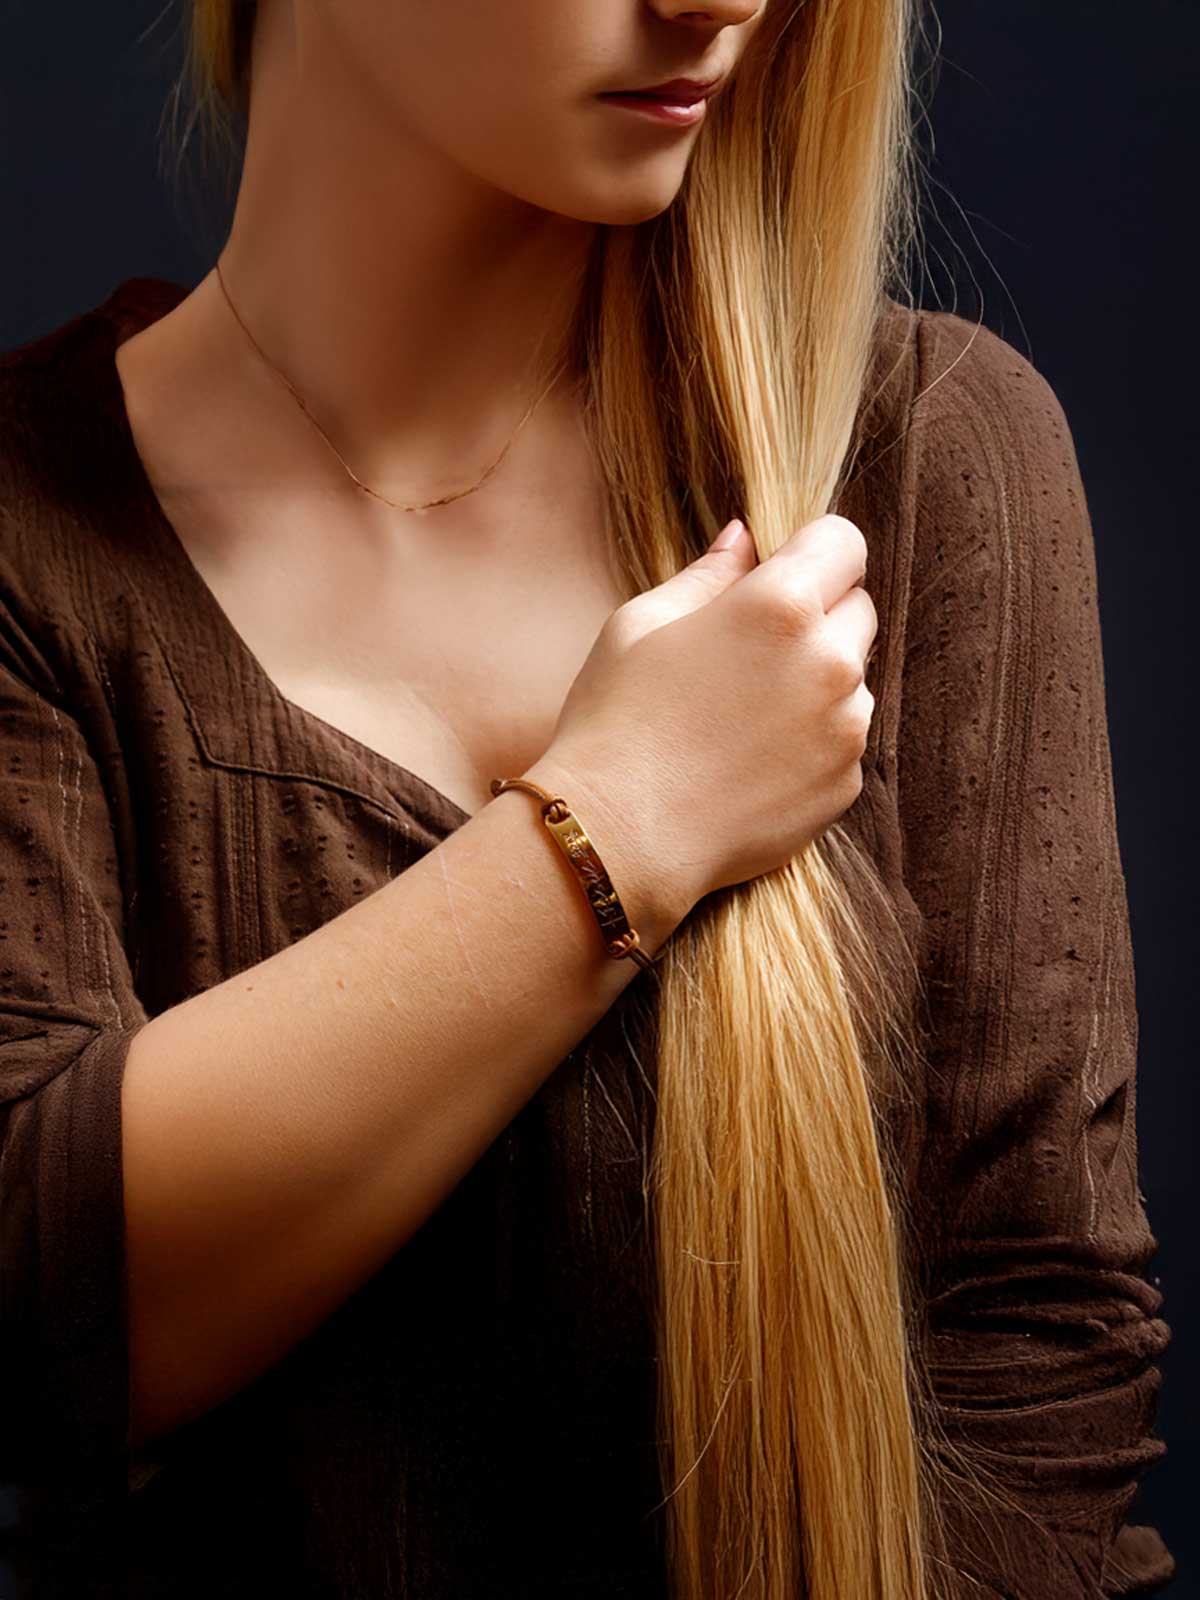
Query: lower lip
659, 110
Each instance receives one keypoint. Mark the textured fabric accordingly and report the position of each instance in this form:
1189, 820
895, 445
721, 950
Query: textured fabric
478, 1419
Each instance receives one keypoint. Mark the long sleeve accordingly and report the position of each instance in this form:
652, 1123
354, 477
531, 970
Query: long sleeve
1044, 1329
68, 1012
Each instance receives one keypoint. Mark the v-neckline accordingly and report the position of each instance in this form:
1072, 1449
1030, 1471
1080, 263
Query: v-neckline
123, 306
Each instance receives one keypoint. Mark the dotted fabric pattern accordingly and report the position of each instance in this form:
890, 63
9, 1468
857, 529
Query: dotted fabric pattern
478, 1419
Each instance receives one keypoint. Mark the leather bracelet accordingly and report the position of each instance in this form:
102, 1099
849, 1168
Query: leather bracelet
569, 834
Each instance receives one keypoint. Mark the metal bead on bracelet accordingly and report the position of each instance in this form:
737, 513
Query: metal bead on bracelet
569, 834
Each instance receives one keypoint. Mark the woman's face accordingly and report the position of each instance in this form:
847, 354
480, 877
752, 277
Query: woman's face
508, 89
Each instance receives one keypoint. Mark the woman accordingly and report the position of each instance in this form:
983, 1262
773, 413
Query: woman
369, 1232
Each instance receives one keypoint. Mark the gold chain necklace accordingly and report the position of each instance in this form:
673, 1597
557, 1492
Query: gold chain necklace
425, 506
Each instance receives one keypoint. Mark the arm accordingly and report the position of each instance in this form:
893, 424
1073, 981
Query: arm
267, 1144
1044, 1330
360, 1073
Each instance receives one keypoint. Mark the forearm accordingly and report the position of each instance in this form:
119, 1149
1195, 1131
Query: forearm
285, 1131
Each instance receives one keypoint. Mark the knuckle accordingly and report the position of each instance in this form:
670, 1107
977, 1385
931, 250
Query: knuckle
624, 625
854, 722
852, 785
850, 533
864, 712
792, 604
841, 671
846, 789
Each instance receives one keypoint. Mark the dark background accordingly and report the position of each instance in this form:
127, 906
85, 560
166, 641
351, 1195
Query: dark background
1060, 176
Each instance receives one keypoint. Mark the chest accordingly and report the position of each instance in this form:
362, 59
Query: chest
445, 641
447, 646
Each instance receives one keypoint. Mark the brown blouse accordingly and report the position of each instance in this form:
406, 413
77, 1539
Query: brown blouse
477, 1420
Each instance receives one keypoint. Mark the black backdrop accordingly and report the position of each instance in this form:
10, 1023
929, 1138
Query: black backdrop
1061, 165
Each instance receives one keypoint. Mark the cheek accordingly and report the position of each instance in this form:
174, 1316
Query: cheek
469, 92
567, 153
504, 97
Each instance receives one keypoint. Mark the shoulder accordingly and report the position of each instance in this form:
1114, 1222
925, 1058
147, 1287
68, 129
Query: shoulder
962, 415
979, 404
991, 590
992, 477
963, 455
56, 383
42, 398
54, 476
960, 385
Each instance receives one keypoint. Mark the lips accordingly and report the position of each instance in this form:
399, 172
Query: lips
675, 92
660, 97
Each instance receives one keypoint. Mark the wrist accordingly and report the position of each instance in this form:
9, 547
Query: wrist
654, 902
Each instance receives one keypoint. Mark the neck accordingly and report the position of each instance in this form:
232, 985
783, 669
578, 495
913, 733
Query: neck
415, 308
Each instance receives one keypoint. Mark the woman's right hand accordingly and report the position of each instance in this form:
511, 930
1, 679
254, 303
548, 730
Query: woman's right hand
725, 710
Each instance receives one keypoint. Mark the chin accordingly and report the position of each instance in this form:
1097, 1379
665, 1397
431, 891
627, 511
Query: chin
622, 205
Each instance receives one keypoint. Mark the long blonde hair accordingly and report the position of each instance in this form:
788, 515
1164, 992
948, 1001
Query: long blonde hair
727, 344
